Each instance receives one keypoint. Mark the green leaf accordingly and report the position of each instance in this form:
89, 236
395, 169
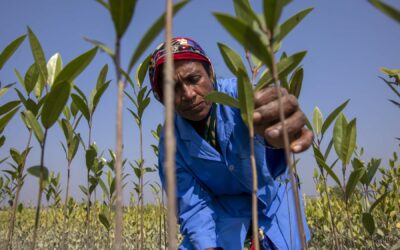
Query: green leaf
285, 66
38, 54
99, 93
141, 71
317, 120
73, 148
5, 119
81, 105
32, 106
245, 12
151, 34
322, 163
55, 103
272, 12
20, 79
15, 155
339, 134
7, 107
103, 219
5, 89
246, 36
31, 78
232, 59
102, 78
38, 171
104, 4
54, 66
368, 222
9, 50
101, 46
39, 86
75, 67
222, 98
390, 85
121, 14
349, 142
378, 201
291, 23
373, 166
332, 116
386, 9
91, 154
351, 184
296, 82
246, 99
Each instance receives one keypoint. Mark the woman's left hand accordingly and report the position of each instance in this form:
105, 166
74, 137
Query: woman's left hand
268, 124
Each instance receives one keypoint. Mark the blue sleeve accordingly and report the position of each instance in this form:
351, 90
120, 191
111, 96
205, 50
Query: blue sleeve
195, 213
275, 158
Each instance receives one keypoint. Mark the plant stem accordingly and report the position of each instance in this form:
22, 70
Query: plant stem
16, 199
65, 220
334, 230
170, 142
141, 188
118, 155
88, 187
37, 216
254, 206
293, 180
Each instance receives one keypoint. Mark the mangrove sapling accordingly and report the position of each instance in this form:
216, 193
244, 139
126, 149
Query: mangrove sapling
70, 147
121, 13
141, 100
87, 107
7, 111
261, 37
344, 142
54, 102
320, 127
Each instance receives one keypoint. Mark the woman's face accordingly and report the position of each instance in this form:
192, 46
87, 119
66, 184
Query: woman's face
192, 84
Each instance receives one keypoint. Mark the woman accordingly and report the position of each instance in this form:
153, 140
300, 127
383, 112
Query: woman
213, 170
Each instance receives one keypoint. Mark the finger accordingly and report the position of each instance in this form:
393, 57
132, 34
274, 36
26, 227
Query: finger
269, 113
267, 95
303, 142
293, 124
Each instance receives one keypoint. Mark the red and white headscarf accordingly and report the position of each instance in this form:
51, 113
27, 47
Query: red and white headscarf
182, 49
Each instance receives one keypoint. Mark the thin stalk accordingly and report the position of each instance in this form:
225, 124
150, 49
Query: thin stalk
16, 199
88, 187
65, 220
334, 229
293, 180
141, 188
37, 216
118, 155
254, 206
290, 221
170, 142
349, 223
163, 217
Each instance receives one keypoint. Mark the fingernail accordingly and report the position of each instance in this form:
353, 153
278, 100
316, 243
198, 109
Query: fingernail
256, 116
297, 148
273, 133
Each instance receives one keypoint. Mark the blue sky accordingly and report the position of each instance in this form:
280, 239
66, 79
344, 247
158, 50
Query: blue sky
347, 43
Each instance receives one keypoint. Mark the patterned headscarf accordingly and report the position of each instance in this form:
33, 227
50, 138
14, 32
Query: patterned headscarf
182, 49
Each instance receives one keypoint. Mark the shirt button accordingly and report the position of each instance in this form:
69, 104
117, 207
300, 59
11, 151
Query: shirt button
231, 167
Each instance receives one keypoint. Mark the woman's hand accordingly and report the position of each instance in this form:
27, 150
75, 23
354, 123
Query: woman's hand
267, 122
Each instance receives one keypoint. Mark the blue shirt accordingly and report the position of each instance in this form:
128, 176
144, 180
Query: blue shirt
214, 188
